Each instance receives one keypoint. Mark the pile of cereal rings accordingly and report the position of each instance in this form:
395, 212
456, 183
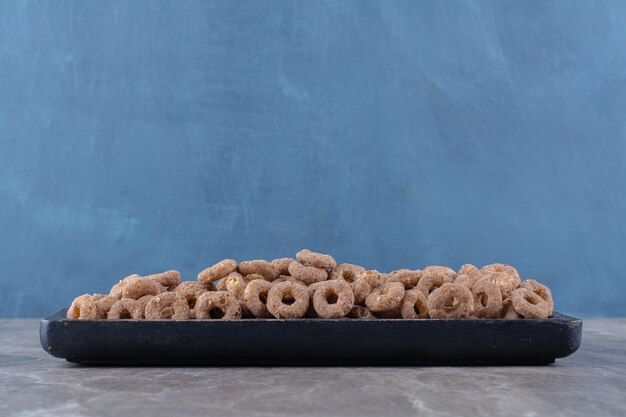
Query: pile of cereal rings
314, 286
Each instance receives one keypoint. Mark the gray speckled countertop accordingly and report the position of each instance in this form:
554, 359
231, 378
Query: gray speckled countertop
590, 382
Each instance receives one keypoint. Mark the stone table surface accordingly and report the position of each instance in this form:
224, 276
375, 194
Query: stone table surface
592, 382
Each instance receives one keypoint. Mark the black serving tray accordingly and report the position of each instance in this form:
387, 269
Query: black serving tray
311, 341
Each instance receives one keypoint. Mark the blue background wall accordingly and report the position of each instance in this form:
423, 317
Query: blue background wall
137, 136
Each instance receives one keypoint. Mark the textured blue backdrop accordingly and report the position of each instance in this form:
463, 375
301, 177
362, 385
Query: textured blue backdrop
142, 135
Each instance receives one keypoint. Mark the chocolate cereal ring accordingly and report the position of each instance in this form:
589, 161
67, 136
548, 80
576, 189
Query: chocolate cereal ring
414, 305
137, 287
433, 279
468, 275
217, 271
504, 268
282, 264
307, 274
268, 270
506, 282
83, 308
318, 260
126, 308
255, 297
348, 272
450, 301
487, 299
449, 273
407, 277
529, 304
333, 299
167, 306
542, 291
116, 290
190, 291
288, 300
385, 298
289, 278
360, 312
168, 279
217, 305
363, 286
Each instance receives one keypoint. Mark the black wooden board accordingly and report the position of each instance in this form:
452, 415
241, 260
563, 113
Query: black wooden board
311, 341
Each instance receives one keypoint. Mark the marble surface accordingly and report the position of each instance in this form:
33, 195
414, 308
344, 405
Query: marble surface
590, 382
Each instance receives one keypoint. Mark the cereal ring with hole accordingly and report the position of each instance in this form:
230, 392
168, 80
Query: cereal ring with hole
506, 282
363, 286
449, 273
468, 275
124, 309
288, 300
333, 299
504, 268
542, 291
487, 299
385, 298
190, 291
307, 274
137, 287
104, 304
217, 271
168, 279
83, 308
116, 290
360, 312
255, 297
414, 305
220, 305
236, 285
318, 260
348, 272
433, 279
407, 277
282, 264
167, 306
450, 301
508, 312
529, 305
268, 270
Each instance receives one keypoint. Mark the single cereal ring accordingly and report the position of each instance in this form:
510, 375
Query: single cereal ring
217, 271
190, 291
407, 277
504, 268
307, 274
433, 279
167, 306
318, 260
449, 273
116, 290
104, 304
348, 272
450, 301
487, 299
255, 297
542, 291
217, 305
414, 305
282, 264
288, 300
468, 275
363, 286
360, 312
124, 309
386, 297
137, 287
289, 278
168, 279
268, 270
333, 299
529, 305
83, 308
506, 282
508, 312
236, 285
141, 304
